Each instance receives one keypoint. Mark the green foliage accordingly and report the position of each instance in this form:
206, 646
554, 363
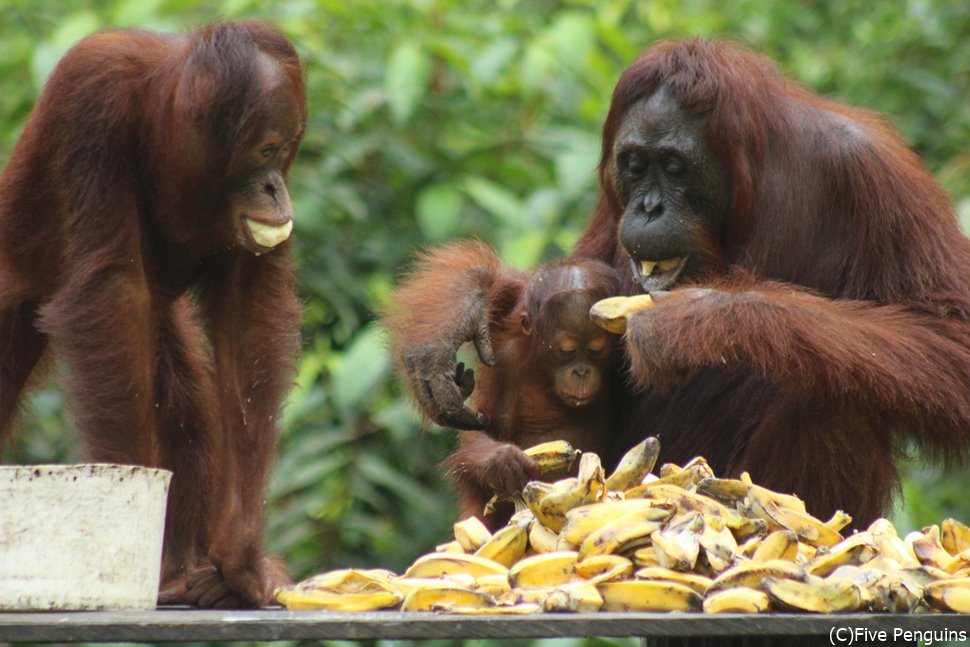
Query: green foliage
439, 119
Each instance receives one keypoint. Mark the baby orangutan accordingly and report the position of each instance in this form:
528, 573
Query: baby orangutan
553, 379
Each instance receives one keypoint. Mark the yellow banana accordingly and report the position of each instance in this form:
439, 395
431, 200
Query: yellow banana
498, 610
582, 521
611, 314
808, 528
602, 568
618, 536
634, 465
678, 545
695, 581
545, 570
590, 486
954, 536
839, 521
720, 546
461, 580
553, 456
737, 600
645, 595
781, 544
751, 574
789, 501
857, 549
507, 545
445, 598
303, 600
949, 595
437, 564
817, 596
471, 534
576, 597
449, 547
494, 585
928, 549
541, 539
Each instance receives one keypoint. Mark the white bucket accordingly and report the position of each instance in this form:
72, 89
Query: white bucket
81, 537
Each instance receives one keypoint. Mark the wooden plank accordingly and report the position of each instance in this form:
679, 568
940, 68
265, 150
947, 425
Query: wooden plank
265, 625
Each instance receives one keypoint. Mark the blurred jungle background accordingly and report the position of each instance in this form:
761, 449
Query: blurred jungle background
433, 120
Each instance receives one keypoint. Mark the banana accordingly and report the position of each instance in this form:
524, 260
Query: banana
546, 570
507, 546
611, 314
695, 581
720, 546
541, 539
577, 597
462, 580
738, 600
949, 595
303, 600
646, 595
342, 590
685, 478
532, 495
645, 557
449, 547
928, 549
553, 456
781, 544
590, 486
954, 536
602, 568
726, 491
817, 596
634, 465
445, 598
839, 521
471, 534
437, 564
752, 574
789, 501
494, 585
499, 610
808, 528
618, 536
582, 521
856, 550
678, 545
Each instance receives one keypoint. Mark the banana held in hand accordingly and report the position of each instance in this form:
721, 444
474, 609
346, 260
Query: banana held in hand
611, 314
553, 455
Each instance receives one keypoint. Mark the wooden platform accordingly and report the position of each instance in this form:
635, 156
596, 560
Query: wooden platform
266, 625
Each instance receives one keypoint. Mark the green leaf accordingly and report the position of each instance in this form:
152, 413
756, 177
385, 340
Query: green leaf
48, 53
495, 199
363, 366
406, 79
438, 211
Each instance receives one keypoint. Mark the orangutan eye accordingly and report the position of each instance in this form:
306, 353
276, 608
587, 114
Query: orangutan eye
674, 164
269, 151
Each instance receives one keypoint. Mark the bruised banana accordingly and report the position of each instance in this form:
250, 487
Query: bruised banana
738, 600
602, 568
618, 536
611, 314
507, 546
780, 544
808, 528
949, 595
541, 539
817, 596
634, 465
582, 521
576, 597
644, 595
752, 574
545, 570
590, 486
553, 455
438, 564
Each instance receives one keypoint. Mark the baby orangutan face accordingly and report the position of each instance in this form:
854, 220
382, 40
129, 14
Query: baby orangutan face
573, 351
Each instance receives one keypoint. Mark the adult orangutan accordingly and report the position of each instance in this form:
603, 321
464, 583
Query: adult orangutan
143, 224
810, 280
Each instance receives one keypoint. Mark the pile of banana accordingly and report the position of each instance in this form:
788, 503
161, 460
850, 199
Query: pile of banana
680, 540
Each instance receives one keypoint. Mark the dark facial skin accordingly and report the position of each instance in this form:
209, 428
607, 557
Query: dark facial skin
672, 186
574, 352
261, 193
